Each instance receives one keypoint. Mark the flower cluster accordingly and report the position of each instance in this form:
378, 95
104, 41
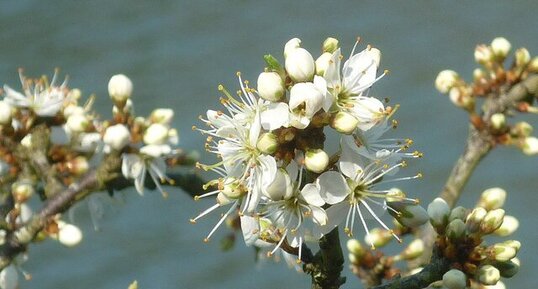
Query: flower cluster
49, 141
461, 240
491, 81
273, 168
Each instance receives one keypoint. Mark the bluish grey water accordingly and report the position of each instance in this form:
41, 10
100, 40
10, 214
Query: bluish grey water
177, 52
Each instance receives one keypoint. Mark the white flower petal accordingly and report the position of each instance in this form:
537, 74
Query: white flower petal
333, 187
275, 115
319, 215
311, 194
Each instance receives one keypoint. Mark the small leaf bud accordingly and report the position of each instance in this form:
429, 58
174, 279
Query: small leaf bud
316, 160
270, 86
508, 227
300, 65
500, 47
492, 221
438, 210
117, 136
267, 143
120, 88
488, 275
492, 198
344, 122
330, 45
454, 279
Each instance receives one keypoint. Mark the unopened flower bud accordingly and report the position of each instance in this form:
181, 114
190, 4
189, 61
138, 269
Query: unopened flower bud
344, 122
322, 63
74, 94
498, 121
454, 279
513, 243
281, 188
355, 247
502, 252
458, 212
330, 45
492, 221
162, 116
78, 166
316, 160
267, 143
77, 123
460, 97
378, 237
223, 200
533, 65
522, 57
488, 275
5, 113
410, 215
117, 136
271, 86
291, 45
500, 47
9, 277
455, 229
69, 235
508, 227
127, 108
438, 210
483, 54
233, 189
474, 219
492, 198
478, 75
22, 191
414, 250
522, 129
530, 146
300, 65
120, 88
508, 269
156, 134
353, 259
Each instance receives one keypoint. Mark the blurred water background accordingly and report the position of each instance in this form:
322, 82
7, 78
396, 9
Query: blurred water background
177, 52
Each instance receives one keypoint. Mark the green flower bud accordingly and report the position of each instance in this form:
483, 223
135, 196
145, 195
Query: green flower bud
267, 143
523, 57
455, 230
330, 45
530, 146
512, 243
508, 227
454, 279
492, 199
492, 221
488, 275
410, 215
344, 122
498, 121
322, 63
474, 219
522, 129
507, 269
355, 247
457, 213
300, 65
483, 54
438, 210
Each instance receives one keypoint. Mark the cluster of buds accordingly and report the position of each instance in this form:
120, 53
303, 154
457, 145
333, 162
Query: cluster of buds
371, 264
50, 140
492, 80
461, 240
274, 170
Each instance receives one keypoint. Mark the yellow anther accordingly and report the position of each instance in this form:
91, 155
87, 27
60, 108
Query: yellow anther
420, 175
197, 198
206, 240
193, 221
238, 73
220, 87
